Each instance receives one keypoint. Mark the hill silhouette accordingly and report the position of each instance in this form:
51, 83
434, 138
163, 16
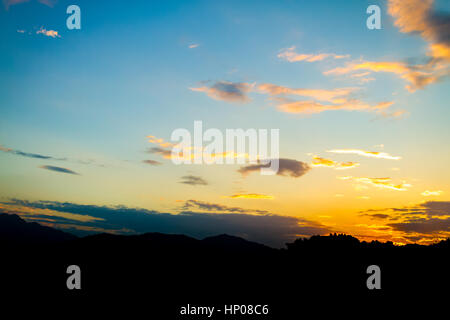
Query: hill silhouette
172, 270
15, 230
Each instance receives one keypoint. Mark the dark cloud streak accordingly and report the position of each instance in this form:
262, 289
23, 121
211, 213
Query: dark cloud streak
59, 169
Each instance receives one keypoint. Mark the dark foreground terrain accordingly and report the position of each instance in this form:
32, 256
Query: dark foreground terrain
159, 273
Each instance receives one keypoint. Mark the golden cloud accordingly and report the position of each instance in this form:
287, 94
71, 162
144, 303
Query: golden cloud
322, 162
370, 154
384, 183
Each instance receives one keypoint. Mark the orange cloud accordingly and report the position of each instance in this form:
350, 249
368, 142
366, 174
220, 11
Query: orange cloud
48, 33
413, 16
417, 16
310, 107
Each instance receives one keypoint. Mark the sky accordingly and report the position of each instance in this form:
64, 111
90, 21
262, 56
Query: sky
86, 117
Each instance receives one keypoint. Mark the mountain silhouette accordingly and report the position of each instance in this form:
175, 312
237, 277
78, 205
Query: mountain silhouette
169, 270
15, 230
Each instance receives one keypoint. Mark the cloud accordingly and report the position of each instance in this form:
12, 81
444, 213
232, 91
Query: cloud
48, 33
250, 196
58, 169
334, 95
29, 155
394, 114
416, 17
425, 221
428, 193
202, 205
338, 99
369, 154
287, 167
236, 92
193, 181
159, 141
322, 162
422, 225
417, 76
52, 158
270, 229
379, 216
290, 55
152, 162
311, 107
193, 46
191, 153
45, 213
384, 183
166, 154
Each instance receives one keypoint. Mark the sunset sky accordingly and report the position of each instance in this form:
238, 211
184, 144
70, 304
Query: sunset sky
87, 115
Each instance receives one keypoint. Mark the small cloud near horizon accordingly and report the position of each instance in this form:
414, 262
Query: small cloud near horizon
58, 169
193, 181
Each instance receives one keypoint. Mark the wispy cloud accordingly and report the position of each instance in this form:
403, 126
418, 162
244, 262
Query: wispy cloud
28, 154
369, 154
337, 99
159, 141
165, 153
384, 183
193, 180
291, 55
227, 91
50, 158
193, 45
428, 193
417, 76
311, 107
322, 162
208, 206
58, 169
48, 33
333, 95
152, 162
